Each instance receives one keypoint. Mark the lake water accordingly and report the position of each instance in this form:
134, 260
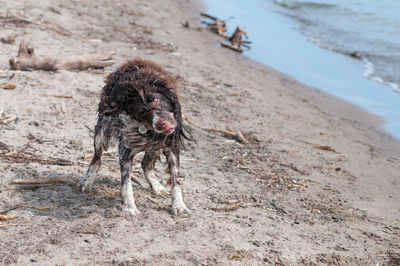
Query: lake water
348, 48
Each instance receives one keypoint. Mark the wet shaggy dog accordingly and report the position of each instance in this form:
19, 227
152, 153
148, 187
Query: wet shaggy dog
139, 109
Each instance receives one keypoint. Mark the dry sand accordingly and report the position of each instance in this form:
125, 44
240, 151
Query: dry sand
318, 185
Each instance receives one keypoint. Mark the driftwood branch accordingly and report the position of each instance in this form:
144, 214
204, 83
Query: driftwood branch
5, 217
25, 157
7, 225
235, 40
230, 46
27, 60
235, 134
43, 181
23, 205
219, 25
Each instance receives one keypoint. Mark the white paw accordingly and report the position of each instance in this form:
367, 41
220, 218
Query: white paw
84, 185
178, 206
131, 210
181, 209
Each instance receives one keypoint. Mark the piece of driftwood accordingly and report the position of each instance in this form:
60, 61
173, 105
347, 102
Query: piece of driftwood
235, 134
325, 148
6, 217
7, 86
23, 205
7, 225
219, 25
236, 41
24, 157
57, 96
230, 46
27, 60
236, 38
42, 181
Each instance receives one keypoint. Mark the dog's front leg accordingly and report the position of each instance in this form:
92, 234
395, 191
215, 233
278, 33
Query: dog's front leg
178, 206
148, 162
128, 201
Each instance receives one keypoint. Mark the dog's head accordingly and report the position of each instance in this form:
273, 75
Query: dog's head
162, 113
158, 111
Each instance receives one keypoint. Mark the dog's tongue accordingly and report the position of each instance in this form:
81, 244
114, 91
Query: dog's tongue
169, 130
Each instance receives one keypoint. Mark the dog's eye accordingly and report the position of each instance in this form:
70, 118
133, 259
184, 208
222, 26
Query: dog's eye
155, 102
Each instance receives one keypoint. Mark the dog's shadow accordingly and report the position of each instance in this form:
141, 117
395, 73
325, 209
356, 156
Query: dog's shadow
65, 201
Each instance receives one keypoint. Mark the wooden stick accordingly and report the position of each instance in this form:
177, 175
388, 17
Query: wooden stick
23, 205
8, 86
236, 134
22, 158
230, 46
209, 16
5, 217
325, 148
57, 96
26, 60
42, 181
6, 225
241, 137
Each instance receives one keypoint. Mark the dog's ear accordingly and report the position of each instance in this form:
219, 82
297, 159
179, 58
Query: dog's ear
127, 92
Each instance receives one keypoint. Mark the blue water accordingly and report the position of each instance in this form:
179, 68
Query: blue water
295, 39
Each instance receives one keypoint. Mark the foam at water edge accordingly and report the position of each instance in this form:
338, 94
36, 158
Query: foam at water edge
369, 71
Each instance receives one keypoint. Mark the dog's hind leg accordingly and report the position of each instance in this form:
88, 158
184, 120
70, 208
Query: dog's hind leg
148, 162
178, 206
101, 141
125, 161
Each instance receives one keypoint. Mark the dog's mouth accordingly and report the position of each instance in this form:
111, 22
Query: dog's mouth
164, 124
169, 130
164, 128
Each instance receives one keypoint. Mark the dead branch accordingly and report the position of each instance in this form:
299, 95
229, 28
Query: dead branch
19, 157
17, 21
23, 205
219, 25
236, 38
7, 86
57, 96
325, 148
6, 225
43, 181
209, 16
230, 46
27, 60
6, 217
235, 134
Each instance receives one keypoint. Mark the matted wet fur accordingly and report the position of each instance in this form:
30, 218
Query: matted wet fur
139, 109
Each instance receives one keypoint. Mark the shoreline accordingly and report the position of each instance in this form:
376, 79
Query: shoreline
318, 184
329, 71
348, 110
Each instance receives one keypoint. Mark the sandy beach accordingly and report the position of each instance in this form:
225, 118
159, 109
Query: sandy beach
318, 184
